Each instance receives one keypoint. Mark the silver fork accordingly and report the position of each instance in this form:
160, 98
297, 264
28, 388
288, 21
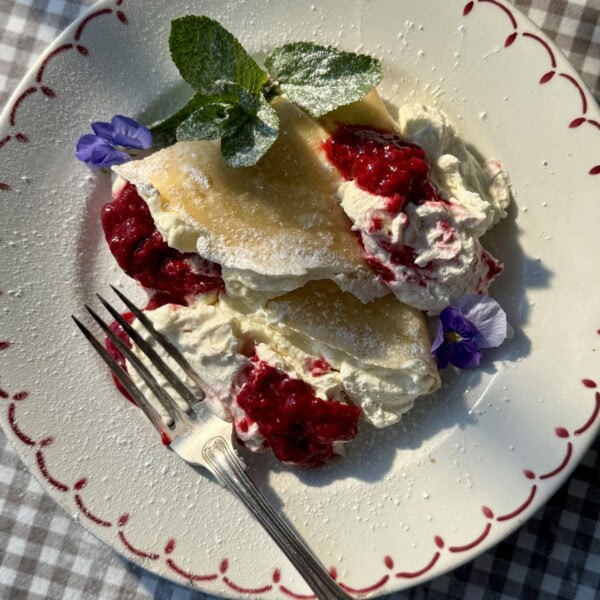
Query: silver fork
201, 438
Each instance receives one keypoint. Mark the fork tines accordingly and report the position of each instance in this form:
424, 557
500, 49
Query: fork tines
176, 414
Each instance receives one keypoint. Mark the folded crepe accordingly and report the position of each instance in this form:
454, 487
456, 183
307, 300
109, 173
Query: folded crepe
382, 349
373, 355
272, 227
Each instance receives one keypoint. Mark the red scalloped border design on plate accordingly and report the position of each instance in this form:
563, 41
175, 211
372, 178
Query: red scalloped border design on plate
12, 421
592, 418
562, 433
170, 546
523, 506
387, 561
419, 572
77, 486
287, 591
86, 20
43, 467
548, 75
475, 542
187, 575
291, 594
59, 50
47, 90
237, 588
122, 520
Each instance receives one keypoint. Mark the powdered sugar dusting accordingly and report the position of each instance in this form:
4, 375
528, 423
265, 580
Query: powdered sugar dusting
384, 333
196, 175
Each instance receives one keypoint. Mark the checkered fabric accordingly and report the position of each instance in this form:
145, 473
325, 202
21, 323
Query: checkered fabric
46, 555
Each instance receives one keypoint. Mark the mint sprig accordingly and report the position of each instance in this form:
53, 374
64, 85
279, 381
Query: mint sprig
232, 90
198, 102
241, 144
208, 117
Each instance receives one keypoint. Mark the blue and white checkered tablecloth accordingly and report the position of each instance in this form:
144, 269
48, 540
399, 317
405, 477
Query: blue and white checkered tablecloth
44, 554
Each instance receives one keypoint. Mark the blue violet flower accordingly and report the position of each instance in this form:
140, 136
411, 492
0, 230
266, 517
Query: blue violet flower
110, 141
473, 322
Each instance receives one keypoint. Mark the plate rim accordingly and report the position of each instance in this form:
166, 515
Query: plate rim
557, 476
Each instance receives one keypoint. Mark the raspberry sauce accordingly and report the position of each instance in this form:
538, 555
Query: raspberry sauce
299, 427
381, 163
319, 367
142, 253
116, 353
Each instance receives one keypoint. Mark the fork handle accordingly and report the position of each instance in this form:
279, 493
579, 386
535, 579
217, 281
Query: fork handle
229, 470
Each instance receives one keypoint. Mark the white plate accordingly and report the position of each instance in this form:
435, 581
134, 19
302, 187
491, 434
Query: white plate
469, 465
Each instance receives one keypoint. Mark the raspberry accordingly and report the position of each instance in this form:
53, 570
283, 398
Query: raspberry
299, 428
381, 163
142, 253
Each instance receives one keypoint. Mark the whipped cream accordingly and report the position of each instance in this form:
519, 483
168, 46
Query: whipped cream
205, 336
430, 253
216, 338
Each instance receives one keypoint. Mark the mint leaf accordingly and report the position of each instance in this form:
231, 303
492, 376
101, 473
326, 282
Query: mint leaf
319, 78
171, 123
229, 99
206, 54
209, 122
243, 145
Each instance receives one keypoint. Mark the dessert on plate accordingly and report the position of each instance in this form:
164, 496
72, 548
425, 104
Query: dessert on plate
296, 281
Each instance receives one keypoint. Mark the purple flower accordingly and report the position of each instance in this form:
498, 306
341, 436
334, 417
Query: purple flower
106, 147
472, 323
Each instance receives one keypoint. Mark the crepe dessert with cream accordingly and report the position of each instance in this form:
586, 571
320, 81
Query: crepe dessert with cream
271, 227
296, 286
417, 199
295, 375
